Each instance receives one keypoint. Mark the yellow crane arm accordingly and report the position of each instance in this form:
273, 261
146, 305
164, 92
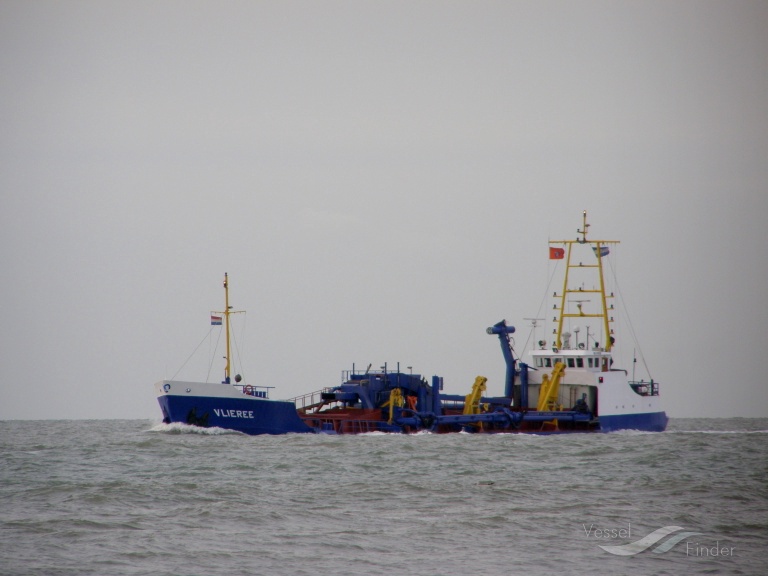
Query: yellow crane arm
550, 387
472, 400
395, 400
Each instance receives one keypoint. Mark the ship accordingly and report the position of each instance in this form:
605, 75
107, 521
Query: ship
566, 386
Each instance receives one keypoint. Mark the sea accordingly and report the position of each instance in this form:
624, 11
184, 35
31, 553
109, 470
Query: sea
134, 497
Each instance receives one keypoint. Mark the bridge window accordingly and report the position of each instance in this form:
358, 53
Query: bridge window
579, 362
539, 362
548, 362
571, 363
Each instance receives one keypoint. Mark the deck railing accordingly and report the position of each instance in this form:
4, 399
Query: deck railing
307, 401
255, 391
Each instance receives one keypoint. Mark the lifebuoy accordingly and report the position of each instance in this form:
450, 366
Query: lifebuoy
248, 389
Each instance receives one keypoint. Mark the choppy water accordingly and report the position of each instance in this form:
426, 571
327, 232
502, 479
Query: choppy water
134, 497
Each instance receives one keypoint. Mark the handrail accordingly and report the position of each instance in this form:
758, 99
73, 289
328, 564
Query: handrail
254, 390
314, 398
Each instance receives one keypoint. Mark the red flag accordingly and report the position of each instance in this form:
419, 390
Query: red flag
556, 253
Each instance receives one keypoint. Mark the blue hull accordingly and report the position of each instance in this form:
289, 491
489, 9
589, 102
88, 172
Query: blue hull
247, 416
648, 422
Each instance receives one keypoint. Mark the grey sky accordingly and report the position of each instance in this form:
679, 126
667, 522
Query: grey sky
380, 180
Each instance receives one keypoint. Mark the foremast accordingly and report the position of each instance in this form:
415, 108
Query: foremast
600, 248
226, 312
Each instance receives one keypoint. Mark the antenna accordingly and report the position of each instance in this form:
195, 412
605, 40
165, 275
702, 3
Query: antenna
584, 231
533, 322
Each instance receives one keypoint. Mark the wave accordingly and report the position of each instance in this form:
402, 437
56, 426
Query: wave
179, 428
631, 432
715, 432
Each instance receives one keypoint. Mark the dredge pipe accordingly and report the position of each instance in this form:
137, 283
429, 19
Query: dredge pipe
503, 331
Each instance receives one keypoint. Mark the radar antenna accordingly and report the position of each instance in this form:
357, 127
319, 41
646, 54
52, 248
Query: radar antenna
533, 322
578, 305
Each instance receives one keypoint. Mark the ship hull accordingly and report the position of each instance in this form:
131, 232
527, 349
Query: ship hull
228, 407
222, 406
646, 422
280, 417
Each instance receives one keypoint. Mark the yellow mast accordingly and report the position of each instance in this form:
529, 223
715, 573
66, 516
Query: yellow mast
226, 322
227, 311
597, 246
